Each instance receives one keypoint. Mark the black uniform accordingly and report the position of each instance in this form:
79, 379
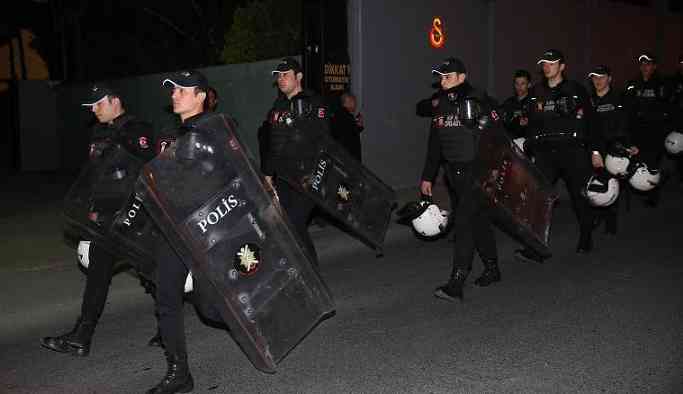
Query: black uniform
136, 137
346, 130
455, 140
558, 138
283, 117
677, 108
609, 127
649, 105
512, 111
171, 276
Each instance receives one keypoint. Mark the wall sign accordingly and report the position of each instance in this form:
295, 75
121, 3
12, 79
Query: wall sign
436, 34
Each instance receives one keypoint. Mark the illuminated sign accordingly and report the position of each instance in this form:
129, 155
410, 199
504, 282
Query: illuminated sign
436, 35
336, 77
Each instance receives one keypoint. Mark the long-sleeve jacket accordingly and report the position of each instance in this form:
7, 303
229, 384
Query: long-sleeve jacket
453, 136
648, 102
559, 112
609, 124
512, 111
283, 117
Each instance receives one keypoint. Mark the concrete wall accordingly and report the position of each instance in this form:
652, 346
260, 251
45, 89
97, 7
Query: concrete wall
391, 57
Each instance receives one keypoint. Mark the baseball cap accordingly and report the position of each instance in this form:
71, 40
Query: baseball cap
551, 56
287, 64
97, 93
647, 57
187, 79
600, 71
449, 66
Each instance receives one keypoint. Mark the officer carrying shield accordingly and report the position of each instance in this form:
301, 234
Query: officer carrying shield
293, 103
459, 111
189, 93
557, 138
115, 127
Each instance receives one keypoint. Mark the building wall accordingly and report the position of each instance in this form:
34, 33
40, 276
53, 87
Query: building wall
391, 62
391, 57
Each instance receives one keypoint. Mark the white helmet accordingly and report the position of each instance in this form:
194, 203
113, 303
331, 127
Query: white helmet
644, 179
674, 142
189, 283
617, 165
84, 253
432, 221
602, 191
520, 143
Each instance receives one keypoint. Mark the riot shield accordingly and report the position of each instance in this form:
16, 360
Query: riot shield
100, 206
206, 195
315, 164
521, 197
102, 188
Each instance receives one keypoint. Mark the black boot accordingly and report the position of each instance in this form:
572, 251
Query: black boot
156, 340
527, 255
611, 223
585, 244
178, 378
75, 342
490, 275
453, 289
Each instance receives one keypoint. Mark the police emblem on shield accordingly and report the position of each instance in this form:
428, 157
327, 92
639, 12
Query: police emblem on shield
343, 194
247, 259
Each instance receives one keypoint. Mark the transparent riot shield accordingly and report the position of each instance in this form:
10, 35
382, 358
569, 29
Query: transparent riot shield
206, 195
521, 197
315, 164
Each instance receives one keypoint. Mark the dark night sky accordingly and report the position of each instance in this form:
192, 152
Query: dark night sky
110, 39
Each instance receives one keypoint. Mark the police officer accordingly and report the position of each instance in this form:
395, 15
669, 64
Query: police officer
115, 127
557, 138
515, 109
609, 128
188, 97
677, 108
293, 103
648, 102
454, 137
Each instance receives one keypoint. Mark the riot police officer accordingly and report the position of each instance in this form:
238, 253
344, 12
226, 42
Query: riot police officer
293, 103
454, 137
648, 102
609, 130
189, 93
677, 108
515, 109
557, 139
115, 127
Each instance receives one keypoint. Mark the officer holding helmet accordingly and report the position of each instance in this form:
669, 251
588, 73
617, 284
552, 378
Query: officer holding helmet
459, 115
648, 102
609, 129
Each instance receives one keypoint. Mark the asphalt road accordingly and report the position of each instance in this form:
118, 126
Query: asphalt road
608, 322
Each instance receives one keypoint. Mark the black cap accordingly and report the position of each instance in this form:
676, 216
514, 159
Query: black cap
187, 79
600, 71
551, 56
449, 66
647, 57
97, 93
521, 74
287, 64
